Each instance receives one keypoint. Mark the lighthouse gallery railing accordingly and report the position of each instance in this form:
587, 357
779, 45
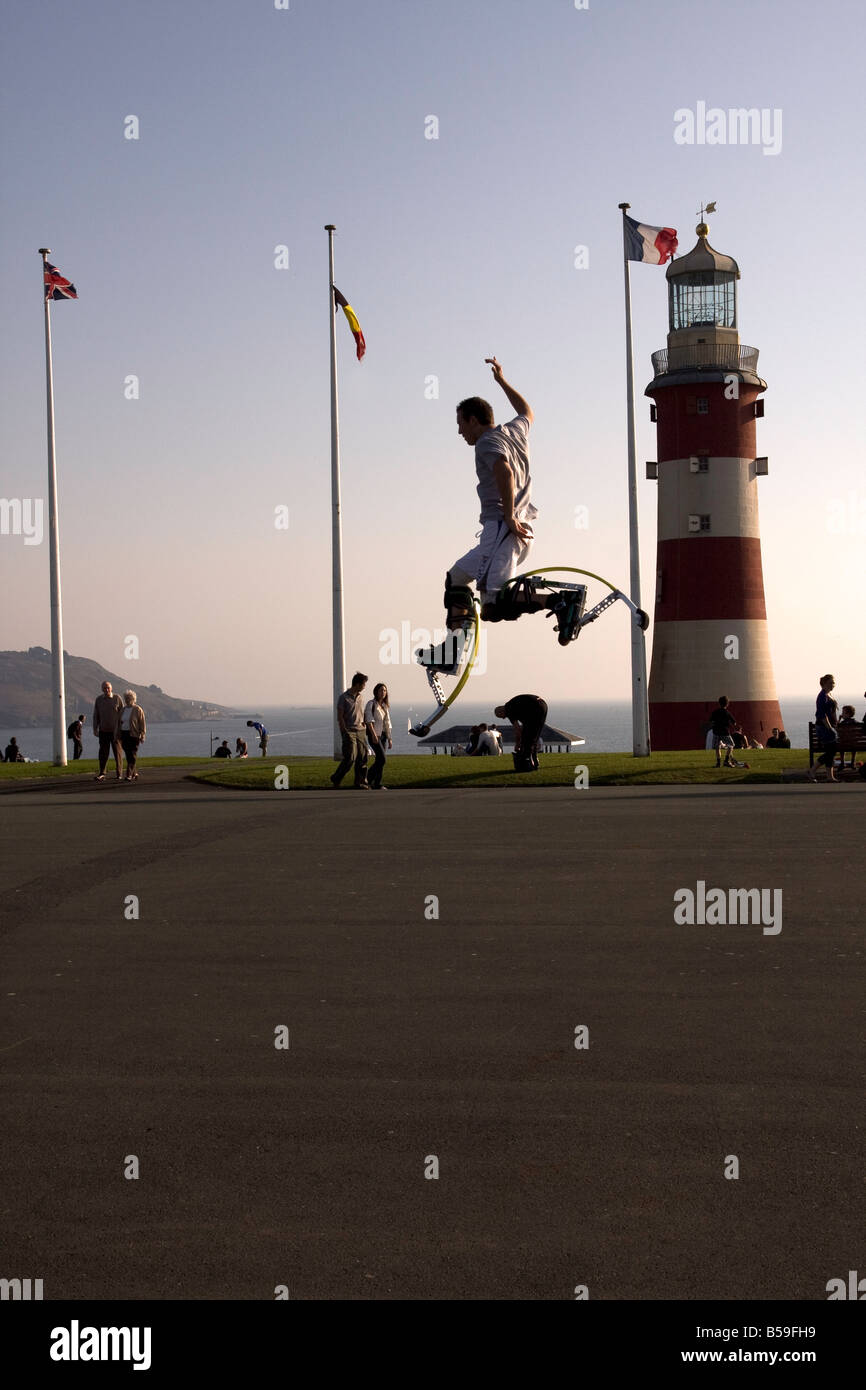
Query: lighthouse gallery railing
728, 355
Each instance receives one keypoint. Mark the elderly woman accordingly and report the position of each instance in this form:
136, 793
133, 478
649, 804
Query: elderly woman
826, 721
132, 730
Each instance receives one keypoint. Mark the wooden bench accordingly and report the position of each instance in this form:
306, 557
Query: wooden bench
850, 740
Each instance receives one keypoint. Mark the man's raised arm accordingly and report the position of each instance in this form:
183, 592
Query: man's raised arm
520, 405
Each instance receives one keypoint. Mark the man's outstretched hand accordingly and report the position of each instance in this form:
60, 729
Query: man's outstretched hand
495, 368
518, 402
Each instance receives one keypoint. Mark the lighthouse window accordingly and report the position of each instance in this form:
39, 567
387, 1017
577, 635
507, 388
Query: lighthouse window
703, 297
703, 405
705, 523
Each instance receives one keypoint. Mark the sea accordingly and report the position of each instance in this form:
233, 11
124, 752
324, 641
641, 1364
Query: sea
605, 727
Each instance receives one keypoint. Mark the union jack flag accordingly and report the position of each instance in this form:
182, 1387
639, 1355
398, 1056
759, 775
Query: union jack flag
56, 286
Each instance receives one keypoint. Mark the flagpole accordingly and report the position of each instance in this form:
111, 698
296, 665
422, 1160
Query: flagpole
58, 692
639, 703
338, 640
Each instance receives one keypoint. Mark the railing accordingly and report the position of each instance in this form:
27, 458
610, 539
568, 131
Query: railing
732, 356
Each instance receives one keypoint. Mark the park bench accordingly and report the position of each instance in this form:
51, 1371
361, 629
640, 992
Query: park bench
851, 740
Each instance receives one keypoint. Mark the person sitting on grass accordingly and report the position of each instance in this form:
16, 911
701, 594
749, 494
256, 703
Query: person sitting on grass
223, 751
490, 741
13, 752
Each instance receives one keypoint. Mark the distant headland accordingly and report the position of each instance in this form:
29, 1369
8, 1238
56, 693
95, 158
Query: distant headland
25, 691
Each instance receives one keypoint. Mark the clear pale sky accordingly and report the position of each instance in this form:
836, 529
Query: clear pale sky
257, 126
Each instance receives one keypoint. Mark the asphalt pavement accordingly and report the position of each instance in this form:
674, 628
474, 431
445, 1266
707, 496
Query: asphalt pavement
431, 958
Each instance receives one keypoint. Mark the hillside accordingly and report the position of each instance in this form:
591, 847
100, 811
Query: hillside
25, 691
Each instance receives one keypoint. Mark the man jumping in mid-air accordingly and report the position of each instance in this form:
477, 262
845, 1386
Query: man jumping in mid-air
504, 546
502, 467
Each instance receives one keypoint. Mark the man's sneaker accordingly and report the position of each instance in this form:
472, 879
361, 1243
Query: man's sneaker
443, 656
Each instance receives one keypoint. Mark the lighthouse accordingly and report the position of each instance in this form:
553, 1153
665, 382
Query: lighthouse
710, 631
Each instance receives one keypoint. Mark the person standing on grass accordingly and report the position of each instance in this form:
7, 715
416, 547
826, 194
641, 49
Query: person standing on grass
133, 729
826, 721
262, 733
107, 710
76, 733
722, 724
528, 714
350, 718
377, 721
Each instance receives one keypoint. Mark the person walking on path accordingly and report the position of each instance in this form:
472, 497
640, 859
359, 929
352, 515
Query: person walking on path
76, 733
722, 725
826, 721
133, 730
350, 717
262, 733
377, 720
107, 710
528, 714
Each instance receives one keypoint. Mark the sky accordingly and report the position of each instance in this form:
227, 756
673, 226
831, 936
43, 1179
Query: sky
258, 125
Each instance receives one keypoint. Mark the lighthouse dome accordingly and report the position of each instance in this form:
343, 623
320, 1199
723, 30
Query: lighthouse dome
702, 257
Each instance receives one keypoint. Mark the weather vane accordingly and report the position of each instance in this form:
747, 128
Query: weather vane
711, 207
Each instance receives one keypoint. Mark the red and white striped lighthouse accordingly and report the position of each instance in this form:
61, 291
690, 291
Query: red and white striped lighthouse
710, 631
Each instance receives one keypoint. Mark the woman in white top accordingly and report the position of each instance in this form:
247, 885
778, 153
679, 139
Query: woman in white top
132, 730
377, 720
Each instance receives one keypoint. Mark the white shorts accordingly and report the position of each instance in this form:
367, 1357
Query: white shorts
496, 558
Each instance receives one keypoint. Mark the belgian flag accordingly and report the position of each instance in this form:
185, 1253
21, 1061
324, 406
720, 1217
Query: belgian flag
360, 345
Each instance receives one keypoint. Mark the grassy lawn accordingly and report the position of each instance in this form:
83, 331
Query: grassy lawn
557, 770
423, 770
25, 772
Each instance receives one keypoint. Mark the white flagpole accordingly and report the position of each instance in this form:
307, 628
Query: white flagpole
58, 691
339, 660
639, 702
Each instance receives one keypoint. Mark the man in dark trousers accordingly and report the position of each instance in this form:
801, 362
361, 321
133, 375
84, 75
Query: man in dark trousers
528, 714
76, 733
106, 726
350, 717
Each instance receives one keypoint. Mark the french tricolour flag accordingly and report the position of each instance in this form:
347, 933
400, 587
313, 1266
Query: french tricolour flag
653, 245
